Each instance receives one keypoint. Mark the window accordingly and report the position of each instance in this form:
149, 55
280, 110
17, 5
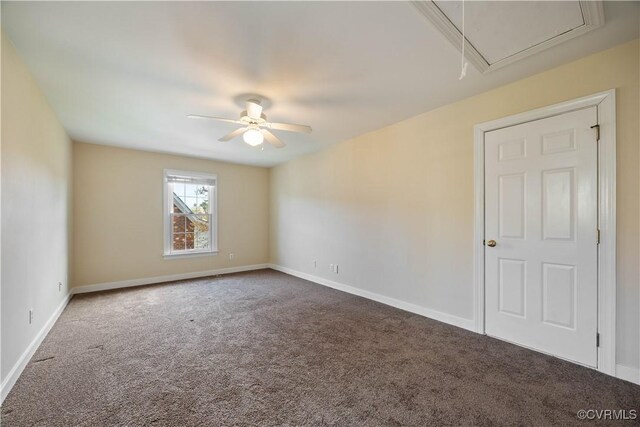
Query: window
189, 213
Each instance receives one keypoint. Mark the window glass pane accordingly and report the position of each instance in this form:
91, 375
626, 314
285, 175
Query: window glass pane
202, 200
191, 190
189, 240
179, 198
201, 223
201, 227
179, 223
178, 189
189, 224
178, 241
191, 203
202, 240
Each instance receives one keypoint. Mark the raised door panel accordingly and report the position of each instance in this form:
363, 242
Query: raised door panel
511, 206
559, 295
558, 197
512, 286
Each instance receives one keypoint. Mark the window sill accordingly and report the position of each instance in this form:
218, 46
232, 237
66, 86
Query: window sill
189, 254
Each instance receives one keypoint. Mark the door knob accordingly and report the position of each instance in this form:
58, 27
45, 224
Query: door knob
491, 243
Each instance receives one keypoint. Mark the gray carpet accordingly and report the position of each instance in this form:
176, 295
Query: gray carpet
265, 348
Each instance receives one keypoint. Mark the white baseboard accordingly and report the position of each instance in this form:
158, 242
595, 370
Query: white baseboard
160, 279
460, 322
628, 373
17, 369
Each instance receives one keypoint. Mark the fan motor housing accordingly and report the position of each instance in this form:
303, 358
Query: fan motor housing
244, 117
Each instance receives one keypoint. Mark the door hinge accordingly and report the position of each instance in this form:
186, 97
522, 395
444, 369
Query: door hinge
597, 128
597, 339
598, 236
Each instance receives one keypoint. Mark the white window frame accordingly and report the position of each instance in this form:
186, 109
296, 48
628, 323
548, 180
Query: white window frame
167, 208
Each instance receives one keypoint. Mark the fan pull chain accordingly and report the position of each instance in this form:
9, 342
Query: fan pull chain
463, 63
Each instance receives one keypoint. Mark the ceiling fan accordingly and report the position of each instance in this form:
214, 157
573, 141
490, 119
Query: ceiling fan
255, 127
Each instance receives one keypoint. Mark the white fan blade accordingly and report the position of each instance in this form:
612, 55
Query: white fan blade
220, 119
289, 127
272, 139
233, 134
254, 109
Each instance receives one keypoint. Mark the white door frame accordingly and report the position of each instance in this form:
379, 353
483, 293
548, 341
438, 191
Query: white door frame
606, 103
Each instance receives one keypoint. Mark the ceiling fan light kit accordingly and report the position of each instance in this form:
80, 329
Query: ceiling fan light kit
255, 126
253, 137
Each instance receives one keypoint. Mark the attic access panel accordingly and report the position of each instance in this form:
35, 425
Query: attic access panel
531, 26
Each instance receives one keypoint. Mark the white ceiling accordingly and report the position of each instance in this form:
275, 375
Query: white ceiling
127, 73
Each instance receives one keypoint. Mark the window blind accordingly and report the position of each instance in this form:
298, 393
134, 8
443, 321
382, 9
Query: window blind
191, 180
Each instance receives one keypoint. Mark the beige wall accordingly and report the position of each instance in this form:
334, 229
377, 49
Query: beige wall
118, 223
394, 208
36, 183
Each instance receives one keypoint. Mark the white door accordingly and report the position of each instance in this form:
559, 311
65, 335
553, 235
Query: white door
541, 288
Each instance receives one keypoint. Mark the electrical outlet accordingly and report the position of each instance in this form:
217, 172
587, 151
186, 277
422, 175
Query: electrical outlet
315, 264
231, 256
59, 286
30, 315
